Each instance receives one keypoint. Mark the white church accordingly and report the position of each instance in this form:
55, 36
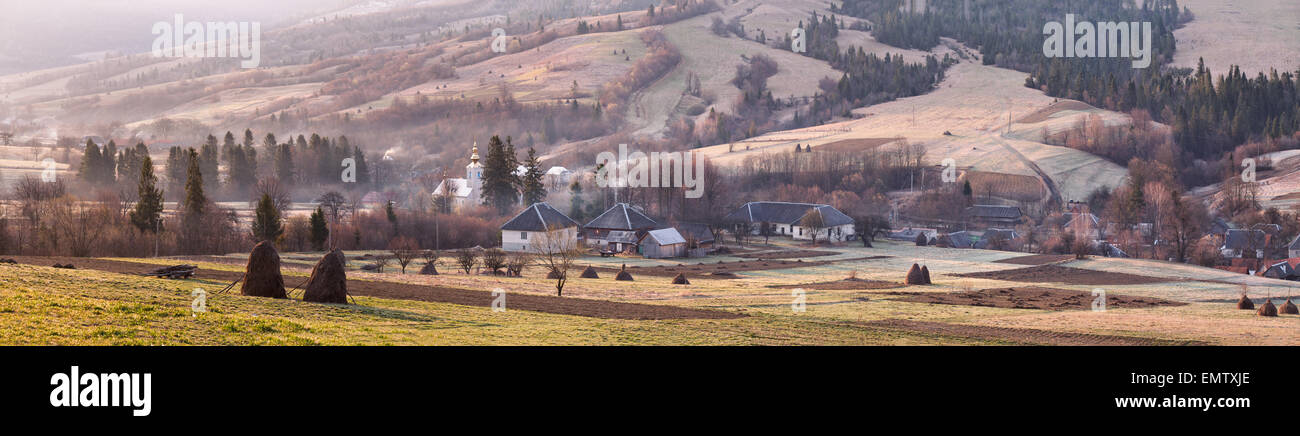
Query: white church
467, 191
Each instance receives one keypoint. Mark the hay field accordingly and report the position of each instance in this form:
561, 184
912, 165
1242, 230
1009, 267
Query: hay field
48, 306
974, 104
1257, 35
713, 59
543, 74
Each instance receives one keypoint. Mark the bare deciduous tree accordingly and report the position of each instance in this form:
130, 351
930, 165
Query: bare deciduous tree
556, 250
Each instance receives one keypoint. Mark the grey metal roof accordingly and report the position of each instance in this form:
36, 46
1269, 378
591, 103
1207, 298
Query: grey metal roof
537, 218
624, 236
666, 236
622, 217
1240, 239
787, 213
992, 211
699, 231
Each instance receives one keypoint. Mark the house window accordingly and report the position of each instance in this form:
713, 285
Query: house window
523, 235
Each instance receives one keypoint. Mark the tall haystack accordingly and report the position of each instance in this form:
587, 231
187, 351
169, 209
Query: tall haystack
914, 276
681, 279
925, 275
1289, 308
590, 273
553, 275
329, 281
262, 276
429, 269
623, 275
1268, 309
1245, 304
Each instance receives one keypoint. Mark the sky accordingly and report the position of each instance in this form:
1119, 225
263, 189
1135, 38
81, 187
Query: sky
43, 33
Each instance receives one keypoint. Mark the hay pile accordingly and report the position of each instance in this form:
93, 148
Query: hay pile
9, 261
429, 269
262, 276
681, 279
914, 276
1245, 303
1289, 308
62, 266
553, 275
925, 274
329, 281
589, 273
1268, 309
623, 275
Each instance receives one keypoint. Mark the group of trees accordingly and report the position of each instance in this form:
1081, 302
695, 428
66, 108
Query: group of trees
318, 161
503, 185
868, 79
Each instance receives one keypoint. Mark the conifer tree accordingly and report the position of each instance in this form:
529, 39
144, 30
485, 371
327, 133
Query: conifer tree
147, 215
320, 231
533, 189
266, 223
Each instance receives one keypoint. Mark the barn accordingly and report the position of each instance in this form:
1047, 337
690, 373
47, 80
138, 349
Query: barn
663, 243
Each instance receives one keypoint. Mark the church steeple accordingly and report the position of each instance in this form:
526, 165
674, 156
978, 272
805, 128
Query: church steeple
473, 157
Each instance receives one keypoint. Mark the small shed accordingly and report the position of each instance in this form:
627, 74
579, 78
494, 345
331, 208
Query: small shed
663, 243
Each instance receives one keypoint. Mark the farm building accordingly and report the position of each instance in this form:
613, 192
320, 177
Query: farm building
467, 191
618, 241
700, 233
1239, 243
909, 234
994, 216
1293, 249
997, 239
956, 240
1284, 269
558, 177
537, 225
663, 243
789, 219
621, 217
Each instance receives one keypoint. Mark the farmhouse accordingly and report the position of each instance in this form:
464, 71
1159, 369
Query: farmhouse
537, 225
621, 217
797, 220
467, 191
994, 216
663, 243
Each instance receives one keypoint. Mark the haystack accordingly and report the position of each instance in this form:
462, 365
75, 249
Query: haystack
914, 276
925, 274
681, 279
623, 275
262, 276
1268, 309
590, 273
329, 281
1245, 303
553, 275
1289, 308
429, 269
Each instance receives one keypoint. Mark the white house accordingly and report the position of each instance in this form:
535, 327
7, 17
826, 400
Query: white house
537, 227
467, 191
787, 220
